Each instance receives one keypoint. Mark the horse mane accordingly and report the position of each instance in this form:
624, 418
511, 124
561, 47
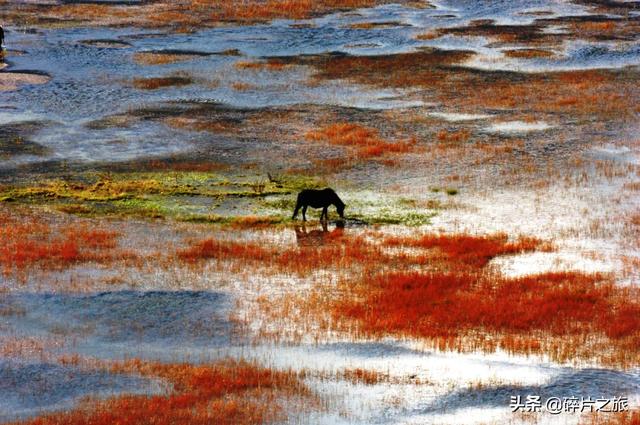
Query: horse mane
338, 201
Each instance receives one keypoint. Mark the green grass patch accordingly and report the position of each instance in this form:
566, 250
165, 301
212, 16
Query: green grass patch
204, 197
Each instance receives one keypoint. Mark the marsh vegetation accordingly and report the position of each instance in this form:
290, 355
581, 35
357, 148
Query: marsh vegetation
151, 154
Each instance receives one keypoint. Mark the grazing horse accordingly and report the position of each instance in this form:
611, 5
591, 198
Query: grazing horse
318, 199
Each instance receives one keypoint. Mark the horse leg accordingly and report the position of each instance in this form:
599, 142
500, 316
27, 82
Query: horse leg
295, 211
304, 213
325, 213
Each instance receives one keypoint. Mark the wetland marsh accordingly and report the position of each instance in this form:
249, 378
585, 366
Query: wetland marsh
150, 157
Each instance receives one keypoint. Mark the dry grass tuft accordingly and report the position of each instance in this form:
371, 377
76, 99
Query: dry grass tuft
158, 58
528, 53
241, 86
270, 65
155, 83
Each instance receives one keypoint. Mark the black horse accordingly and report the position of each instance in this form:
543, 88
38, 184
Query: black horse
318, 199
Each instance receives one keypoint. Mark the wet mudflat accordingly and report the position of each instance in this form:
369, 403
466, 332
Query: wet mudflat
150, 155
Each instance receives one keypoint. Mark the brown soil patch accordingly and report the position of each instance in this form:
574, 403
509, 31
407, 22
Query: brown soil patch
10, 81
184, 15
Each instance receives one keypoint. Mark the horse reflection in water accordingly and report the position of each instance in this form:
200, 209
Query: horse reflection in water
318, 237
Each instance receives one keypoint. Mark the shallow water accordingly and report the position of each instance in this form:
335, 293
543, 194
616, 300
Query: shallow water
98, 323
27, 389
91, 79
193, 326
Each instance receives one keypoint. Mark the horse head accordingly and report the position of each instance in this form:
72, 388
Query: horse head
340, 206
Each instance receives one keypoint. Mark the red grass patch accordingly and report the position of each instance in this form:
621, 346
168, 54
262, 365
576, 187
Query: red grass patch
255, 10
343, 251
226, 392
604, 93
442, 288
240, 86
335, 250
470, 250
442, 305
29, 241
222, 250
364, 141
363, 376
623, 418
451, 303
459, 297
453, 137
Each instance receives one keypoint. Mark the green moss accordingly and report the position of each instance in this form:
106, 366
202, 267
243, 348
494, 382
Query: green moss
298, 182
76, 209
407, 202
144, 207
231, 220
282, 203
391, 217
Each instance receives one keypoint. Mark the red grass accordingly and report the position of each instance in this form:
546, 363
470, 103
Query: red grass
219, 249
270, 65
365, 141
625, 320
363, 376
459, 296
183, 16
254, 10
441, 304
240, 86
455, 295
226, 392
335, 251
455, 298
623, 418
344, 251
601, 93
29, 241
469, 250
453, 137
